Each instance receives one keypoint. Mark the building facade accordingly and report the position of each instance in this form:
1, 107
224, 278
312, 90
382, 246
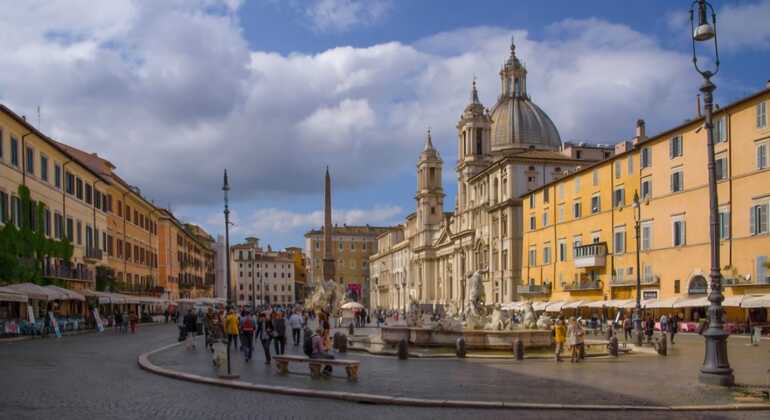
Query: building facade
262, 276
72, 197
351, 247
300, 273
502, 154
579, 231
186, 260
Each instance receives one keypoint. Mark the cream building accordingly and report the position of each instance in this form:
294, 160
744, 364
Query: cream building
502, 154
262, 276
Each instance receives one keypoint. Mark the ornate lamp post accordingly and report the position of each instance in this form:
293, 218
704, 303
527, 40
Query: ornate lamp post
716, 367
637, 317
226, 188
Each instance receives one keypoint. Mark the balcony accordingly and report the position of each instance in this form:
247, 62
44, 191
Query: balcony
534, 289
741, 281
630, 281
591, 255
93, 254
583, 285
63, 272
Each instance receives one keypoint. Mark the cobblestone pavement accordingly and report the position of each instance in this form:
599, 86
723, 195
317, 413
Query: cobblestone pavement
96, 376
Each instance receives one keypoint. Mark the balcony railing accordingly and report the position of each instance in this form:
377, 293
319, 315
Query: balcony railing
630, 280
591, 255
64, 272
534, 289
583, 285
93, 253
741, 281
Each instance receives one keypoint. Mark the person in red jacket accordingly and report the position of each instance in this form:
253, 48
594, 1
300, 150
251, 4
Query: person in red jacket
247, 338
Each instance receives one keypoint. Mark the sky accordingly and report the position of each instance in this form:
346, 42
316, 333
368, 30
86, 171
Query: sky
174, 91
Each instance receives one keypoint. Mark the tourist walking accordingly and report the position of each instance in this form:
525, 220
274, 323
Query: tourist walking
264, 334
575, 335
118, 322
247, 329
279, 332
295, 322
231, 328
189, 324
559, 337
673, 326
649, 328
132, 321
627, 327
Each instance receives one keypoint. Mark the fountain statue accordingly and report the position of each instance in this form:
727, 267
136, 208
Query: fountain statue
529, 320
326, 297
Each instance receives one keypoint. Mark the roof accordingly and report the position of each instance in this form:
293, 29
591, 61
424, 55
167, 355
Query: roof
56, 145
665, 133
539, 155
352, 230
165, 213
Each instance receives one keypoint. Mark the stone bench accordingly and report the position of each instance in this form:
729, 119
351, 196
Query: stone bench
351, 366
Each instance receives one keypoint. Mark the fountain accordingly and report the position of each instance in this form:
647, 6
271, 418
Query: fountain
482, 327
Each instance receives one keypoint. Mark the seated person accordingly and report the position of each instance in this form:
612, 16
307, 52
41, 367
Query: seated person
319, 350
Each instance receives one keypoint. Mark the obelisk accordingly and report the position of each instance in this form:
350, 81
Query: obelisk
328, 268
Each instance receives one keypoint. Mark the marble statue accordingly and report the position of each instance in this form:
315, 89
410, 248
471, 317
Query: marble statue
544, 322
499, 320
326, 297
529, 320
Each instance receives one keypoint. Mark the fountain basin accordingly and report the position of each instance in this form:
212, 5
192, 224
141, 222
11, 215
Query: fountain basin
474, 339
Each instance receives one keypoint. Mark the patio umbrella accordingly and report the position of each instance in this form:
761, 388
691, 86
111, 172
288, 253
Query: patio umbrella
555, 306
10, 295
756, 302
70, 295
35, 292
352, 305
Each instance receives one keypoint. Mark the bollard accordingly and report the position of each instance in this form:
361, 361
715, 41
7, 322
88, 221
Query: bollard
460, 347
518, 349
351, 329
340, 342
612, 346
403, 349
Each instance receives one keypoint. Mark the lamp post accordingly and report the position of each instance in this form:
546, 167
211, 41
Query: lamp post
638, 308
716, 367
226, 188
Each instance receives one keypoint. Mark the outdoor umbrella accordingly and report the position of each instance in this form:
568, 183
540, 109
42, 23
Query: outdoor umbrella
10, 295
70, 295
352, 305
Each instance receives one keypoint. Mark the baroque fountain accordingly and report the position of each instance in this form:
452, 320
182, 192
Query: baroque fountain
481, 326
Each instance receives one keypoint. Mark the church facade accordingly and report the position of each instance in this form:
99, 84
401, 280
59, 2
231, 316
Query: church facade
503, 153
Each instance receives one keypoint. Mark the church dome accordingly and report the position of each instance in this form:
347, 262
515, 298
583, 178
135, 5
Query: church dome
516, 121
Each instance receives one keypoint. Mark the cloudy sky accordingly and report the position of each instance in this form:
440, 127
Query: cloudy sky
173, 92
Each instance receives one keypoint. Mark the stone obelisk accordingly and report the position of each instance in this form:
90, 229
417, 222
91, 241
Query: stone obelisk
328, 268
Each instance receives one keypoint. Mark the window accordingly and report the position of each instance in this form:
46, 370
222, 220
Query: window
762, 115
478, 141
648, 274
14, 152
560, 191
576, 242
577, 209
675, 147
1, 144
619, 197
619, 240
532, 201
44, 167
595, 176
630, 164
47, 222
89, 194
646, 158
721, 168
79, 233
547, 254
340, 245
545, 218
677, 181
30, 160
16, 211
562, 250
57, 175
532, 256
762, 155
720, 130
70, 229
618, 169
560, 213
577, 184
646, 188
532, 223
3, 207
646, 233
596, 204
758, 218
678, 233
58, 226
724, 224
546, 195
79, 188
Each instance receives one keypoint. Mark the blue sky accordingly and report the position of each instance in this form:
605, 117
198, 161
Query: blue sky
172, 92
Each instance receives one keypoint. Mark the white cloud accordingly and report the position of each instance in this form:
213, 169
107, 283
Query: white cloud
342, 15
745, 25
172, 93
268, 221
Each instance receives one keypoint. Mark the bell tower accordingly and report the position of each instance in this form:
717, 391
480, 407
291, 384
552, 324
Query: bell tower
430, 193
474, 147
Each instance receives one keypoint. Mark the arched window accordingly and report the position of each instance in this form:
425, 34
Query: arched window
479, 135
517, 87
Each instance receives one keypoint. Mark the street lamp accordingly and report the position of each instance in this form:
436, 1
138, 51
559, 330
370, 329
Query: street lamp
226, 188
638, 308
716, 367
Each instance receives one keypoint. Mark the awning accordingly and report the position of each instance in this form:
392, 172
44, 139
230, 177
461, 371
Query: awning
540, 306
574, 304
737, 300
597, 304
71, 295
35, 292
10, 295
692, 303
756, 302
631, 304
555, 306
664, 303
511, 306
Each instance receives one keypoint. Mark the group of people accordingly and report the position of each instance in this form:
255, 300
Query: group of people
122, 322
669, 325
573, 335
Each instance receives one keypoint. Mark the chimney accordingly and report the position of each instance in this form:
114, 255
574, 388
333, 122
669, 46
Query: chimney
768, 83
641, 133
697, 105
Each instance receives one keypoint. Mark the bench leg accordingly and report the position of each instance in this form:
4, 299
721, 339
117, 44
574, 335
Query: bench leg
283, 367
352, 372
315, 370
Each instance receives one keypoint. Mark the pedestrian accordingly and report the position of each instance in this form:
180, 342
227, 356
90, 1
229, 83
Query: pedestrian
165, 316
295, 322
663, 325
279, 332
321, 351
118, 320
247, 328
649, 328
559, 337
673, 326
189, 323
132, 321
627, 328
574, 339
264, 334
231, 328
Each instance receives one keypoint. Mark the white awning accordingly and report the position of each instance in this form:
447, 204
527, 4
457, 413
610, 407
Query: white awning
631, 304
35, 292
10, 295
540, 306
555, 306
597, 304
574, 304
512, 306
692, 302
71, 295
664, 303
756, 302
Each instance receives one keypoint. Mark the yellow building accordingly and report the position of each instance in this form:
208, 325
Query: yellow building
186, 259
73, 196
300, 272
579, 230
